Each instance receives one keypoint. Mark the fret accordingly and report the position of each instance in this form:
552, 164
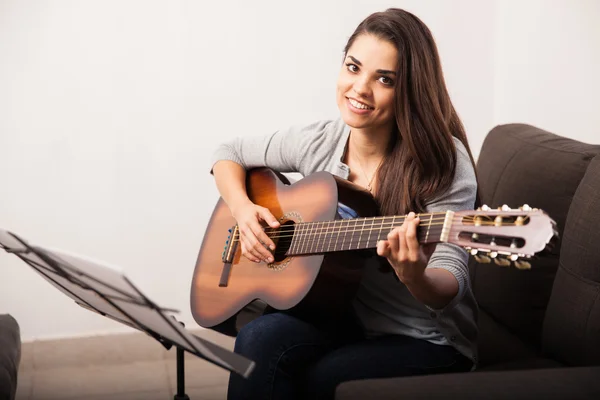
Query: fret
325, 235
321, 237
307, 237
279, 233
381, 228
371, 229
337, 235
360, 233
332, 234
345, 234
301, 237
428, 227
318, 235
302, 234
297, 239
355, 224
328, 233
359, 230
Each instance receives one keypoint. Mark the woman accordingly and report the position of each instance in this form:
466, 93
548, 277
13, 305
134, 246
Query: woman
400, 137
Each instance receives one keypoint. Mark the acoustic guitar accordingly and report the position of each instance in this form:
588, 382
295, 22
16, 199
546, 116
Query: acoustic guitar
328, 227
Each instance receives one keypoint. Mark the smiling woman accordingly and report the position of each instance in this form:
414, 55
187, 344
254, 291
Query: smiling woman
398, 136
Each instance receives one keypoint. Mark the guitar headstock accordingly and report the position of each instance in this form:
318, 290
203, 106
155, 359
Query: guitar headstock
504, 235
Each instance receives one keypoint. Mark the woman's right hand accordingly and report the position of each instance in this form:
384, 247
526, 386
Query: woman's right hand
253, 238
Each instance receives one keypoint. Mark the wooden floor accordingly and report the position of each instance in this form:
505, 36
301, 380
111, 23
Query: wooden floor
128, 366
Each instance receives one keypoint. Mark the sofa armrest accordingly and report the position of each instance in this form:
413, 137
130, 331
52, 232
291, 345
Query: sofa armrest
10, 356
557, 383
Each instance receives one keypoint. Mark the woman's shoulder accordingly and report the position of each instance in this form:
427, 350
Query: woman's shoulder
464, 166
328, 128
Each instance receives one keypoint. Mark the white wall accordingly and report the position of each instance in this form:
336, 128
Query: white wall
546, 66
109, 111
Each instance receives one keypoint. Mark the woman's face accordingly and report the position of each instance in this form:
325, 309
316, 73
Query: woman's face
365, 87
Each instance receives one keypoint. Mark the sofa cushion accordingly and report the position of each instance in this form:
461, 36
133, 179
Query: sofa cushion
521, 164
523, 364
547, 384
10, 356
498, 345
572, 323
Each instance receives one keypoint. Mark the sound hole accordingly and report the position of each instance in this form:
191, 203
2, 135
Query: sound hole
282, 237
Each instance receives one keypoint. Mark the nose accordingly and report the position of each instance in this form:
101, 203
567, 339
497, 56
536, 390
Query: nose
361, 87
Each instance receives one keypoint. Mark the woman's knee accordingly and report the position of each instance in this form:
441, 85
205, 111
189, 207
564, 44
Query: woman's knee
274, 334
253, 334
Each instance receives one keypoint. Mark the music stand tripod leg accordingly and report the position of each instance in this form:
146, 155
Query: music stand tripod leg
180, 377
180, 374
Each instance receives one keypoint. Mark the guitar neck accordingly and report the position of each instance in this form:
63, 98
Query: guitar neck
361, 233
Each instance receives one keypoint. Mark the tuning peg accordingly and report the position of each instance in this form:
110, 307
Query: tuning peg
482, 259
520, 264
484, 208
505, 208
501, 261
520, 220
525, 207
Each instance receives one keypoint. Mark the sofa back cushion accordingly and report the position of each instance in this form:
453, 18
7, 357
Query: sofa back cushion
521, 164
572, 324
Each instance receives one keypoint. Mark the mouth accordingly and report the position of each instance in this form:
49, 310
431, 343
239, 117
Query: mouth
359, 105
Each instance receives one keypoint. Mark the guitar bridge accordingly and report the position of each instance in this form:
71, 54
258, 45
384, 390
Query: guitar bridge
230, 245
228, 255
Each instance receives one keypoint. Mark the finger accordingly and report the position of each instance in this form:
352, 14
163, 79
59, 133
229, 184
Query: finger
264, 238
250, 241
412, 243
394, 245
266, 216
383, 248
259, 245
403, 248
247, 253
248, 250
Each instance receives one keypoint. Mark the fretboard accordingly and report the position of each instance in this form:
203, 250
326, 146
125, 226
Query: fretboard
358, 233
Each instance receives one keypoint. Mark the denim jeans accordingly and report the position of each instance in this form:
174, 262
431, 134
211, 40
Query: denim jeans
296, 360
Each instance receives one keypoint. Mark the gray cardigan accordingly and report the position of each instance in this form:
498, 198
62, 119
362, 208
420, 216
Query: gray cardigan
383, 304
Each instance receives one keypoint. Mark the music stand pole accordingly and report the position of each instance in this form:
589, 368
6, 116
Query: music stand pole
180, 374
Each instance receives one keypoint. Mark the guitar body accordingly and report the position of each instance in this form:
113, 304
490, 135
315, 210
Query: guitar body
314, 286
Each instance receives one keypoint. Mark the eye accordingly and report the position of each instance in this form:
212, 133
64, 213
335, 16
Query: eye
352, 67
386, 81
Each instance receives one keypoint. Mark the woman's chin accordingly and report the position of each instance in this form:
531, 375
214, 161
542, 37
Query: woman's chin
353, 120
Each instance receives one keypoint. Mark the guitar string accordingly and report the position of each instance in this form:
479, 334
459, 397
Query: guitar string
292, 228
338, 229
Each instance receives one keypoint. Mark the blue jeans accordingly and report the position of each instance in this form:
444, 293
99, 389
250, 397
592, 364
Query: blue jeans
295, 359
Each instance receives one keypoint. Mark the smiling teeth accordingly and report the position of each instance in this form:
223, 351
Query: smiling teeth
359, 105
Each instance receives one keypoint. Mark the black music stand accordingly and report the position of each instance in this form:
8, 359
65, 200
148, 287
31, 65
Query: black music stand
107, 291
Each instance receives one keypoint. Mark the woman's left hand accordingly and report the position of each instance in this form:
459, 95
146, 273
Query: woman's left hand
404, 253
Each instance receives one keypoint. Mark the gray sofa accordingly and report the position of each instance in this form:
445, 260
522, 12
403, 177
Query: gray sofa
539, 328
10, 356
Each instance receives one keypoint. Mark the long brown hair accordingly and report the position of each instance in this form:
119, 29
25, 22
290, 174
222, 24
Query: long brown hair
420, 161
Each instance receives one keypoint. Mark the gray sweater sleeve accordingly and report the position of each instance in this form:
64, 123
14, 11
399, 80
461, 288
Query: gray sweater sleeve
461, 196
282, 151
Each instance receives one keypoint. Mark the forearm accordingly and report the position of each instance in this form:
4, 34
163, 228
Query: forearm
230, 178
436, 288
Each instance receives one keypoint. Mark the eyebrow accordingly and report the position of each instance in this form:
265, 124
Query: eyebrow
379, 71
